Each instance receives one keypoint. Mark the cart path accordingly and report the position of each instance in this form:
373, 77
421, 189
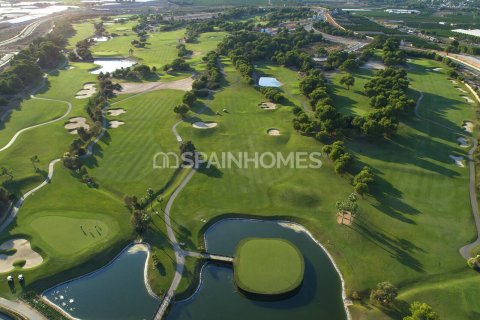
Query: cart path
14, 138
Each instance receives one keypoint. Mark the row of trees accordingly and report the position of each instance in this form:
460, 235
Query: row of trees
71, 158
211, 77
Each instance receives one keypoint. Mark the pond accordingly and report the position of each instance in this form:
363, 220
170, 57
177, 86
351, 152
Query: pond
3, 316
116, 291
110, 65
319, 297
268, 82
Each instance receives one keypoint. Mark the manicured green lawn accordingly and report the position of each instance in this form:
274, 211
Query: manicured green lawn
160, 49
29, 113
268, 266
420, 197
125, 157
72, 232
83, 31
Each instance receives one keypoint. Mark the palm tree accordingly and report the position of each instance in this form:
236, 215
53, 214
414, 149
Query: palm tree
150, 195
36, 160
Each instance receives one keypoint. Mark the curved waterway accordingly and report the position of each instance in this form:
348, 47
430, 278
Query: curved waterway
319, 297
116, 291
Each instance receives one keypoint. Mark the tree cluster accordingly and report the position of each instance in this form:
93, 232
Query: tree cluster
183, 51
42, 53
338, 154
387, 92
363, 180
272, 94
327, 122
135, 73
392, 55
178, 64
421, 311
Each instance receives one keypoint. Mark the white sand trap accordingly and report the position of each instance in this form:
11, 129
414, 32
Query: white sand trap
268, 106
468, 126
273, 132
87, 91
24, 252
375, 65
468, 99
453, 81
462, 142
74, 123
458, 160
462, 90
204, 125
139, 87
115, 124
437, 69
116, 112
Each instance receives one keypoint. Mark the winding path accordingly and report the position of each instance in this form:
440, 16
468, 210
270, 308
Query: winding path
14, 210
14, 138
179, 252
465, 250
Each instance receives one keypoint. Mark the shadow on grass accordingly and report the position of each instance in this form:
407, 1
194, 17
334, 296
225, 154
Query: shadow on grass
398, 248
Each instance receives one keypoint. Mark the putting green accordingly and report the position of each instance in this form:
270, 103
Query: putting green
69, 235
268, 266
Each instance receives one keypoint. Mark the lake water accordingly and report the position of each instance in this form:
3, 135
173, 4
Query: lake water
319, 297
116, 291
110, 65
268, 82
5, 317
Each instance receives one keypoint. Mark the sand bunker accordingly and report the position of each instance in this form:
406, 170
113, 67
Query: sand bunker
204, 125
468, 99
23, 252
115, 124
74, 123
375, 65
345, 218
453, 81
273, 132
458, 160
462, 142
268, 105
87, 91
468, 126
437, 69
460, 89
136, 87
116, 112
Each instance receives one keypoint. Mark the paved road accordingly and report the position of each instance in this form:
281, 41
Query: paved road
22, 309
351, 43
465, 250
27, 31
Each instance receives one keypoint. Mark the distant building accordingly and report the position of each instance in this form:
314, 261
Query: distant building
402, 11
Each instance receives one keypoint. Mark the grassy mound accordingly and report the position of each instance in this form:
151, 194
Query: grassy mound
268, 266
